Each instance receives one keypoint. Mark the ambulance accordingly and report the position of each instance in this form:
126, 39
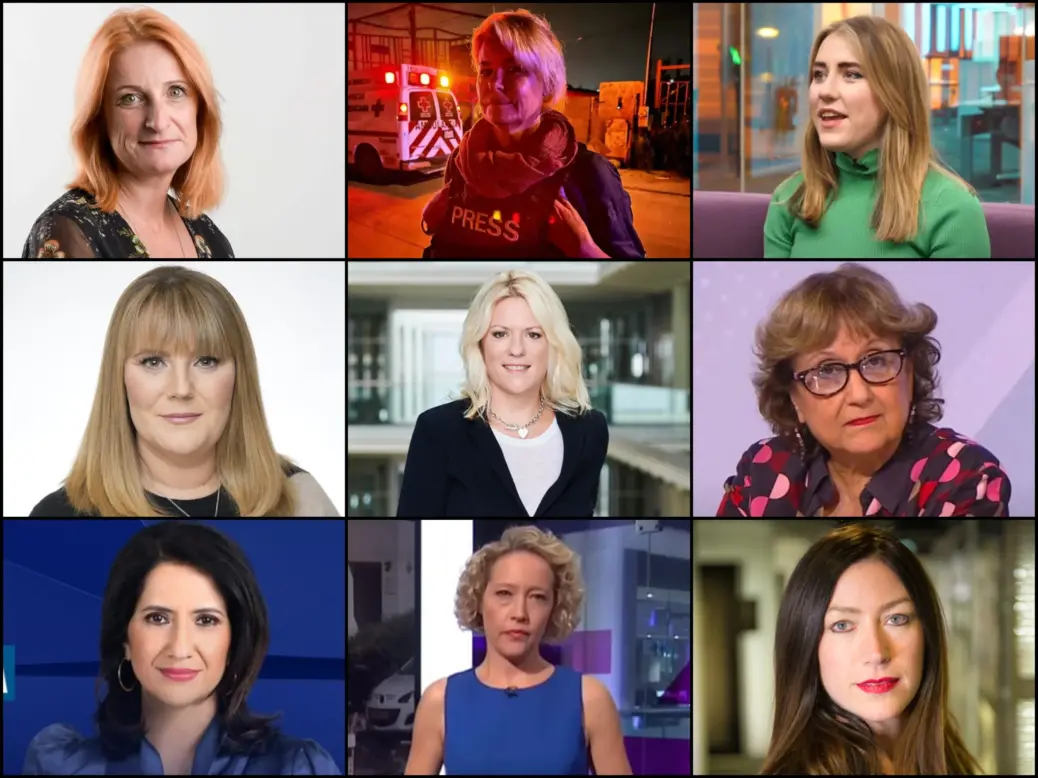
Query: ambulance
401, 117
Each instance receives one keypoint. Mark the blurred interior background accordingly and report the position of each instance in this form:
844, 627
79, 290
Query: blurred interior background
631, 319
983, 571
750, 78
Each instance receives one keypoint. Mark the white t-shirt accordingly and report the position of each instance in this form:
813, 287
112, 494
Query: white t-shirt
535, 464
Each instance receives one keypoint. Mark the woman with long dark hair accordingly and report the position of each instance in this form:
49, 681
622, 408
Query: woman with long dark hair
184, 632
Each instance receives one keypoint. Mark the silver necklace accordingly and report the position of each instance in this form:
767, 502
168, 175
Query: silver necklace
525, 429
216, 513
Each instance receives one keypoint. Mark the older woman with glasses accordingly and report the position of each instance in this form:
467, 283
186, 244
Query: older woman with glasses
846, 380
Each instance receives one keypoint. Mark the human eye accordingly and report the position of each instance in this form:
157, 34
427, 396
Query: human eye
123, 101
833, 627
147, 360
499, 332
213, 621
536, 335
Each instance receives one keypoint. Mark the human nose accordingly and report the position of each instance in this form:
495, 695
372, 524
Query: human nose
857, 387
180, 641
180, 379
874, 644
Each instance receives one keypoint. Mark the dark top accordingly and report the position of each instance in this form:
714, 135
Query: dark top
72, 227
56, 506
60, 750
550, 715
455, 467
477, 227
935, 472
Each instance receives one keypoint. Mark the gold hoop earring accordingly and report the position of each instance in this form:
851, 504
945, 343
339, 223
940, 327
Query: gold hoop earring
119, 676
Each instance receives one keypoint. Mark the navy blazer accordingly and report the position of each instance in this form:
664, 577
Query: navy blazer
456, 468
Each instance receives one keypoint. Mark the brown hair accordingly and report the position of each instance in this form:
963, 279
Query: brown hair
198, 183
564, 562
809, 316
811, 734
178, 309
890, 61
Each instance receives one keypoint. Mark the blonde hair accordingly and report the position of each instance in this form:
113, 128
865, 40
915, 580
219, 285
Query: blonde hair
568, 588
809, 316
179, 310
528, 37
199, 183
563, 386
890, 61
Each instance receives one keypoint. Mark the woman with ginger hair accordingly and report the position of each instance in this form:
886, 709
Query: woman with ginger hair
146, 122
520, 185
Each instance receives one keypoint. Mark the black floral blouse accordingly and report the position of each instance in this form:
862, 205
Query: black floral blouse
73, 227
934, 472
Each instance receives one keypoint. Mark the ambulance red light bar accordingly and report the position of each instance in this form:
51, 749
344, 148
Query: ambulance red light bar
390, 78
445, 82
424, 79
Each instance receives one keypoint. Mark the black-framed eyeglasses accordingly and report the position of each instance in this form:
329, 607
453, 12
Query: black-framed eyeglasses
880, 367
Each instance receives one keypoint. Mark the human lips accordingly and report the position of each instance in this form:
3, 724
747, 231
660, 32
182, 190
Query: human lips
179, 675
180, 415
862, 420
831, 111
157, 143
517, 634
878, 687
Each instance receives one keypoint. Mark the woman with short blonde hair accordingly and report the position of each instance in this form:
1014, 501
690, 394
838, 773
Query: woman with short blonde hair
519, 592
147, 121
523, 440
520, 184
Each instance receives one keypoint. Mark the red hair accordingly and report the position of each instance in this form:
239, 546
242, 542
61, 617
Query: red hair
199, 183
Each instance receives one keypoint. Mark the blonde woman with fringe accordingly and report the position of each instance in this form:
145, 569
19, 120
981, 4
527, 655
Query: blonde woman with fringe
870, 184
146, 121
523, 440
177, 427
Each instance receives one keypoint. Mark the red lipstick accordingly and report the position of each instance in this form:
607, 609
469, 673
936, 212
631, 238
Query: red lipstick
878, 686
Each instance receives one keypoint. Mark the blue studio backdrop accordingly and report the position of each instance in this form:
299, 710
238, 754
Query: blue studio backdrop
54, 579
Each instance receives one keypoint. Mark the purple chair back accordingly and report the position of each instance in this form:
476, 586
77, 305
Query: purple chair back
731, 225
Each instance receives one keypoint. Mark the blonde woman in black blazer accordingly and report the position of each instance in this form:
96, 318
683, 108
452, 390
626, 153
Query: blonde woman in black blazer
523, 440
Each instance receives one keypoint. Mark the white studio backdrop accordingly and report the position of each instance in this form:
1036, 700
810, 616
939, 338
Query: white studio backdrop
56, 316
280, 70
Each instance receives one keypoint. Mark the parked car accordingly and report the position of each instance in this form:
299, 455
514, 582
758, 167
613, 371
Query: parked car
390, 708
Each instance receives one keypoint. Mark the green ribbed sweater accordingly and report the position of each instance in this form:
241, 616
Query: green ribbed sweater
951, 220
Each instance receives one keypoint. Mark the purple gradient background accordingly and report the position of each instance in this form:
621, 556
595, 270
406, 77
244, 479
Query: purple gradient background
591, 652
985, 327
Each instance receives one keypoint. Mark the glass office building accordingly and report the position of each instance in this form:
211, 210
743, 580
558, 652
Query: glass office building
631, 319
750, 80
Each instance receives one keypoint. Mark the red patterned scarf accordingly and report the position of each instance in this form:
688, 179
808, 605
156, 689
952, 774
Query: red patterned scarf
496, 173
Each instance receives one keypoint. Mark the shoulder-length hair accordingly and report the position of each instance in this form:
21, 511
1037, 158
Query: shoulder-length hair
891, 63
529, 38
217, 556
565, 566
811, 734
808, 317
563, 387
178, 310
199, 183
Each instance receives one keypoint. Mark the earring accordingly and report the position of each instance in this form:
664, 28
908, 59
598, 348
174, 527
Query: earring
119, 675
800, 440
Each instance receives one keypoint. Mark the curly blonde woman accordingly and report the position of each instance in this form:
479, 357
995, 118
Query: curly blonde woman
516, 713
523, 440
